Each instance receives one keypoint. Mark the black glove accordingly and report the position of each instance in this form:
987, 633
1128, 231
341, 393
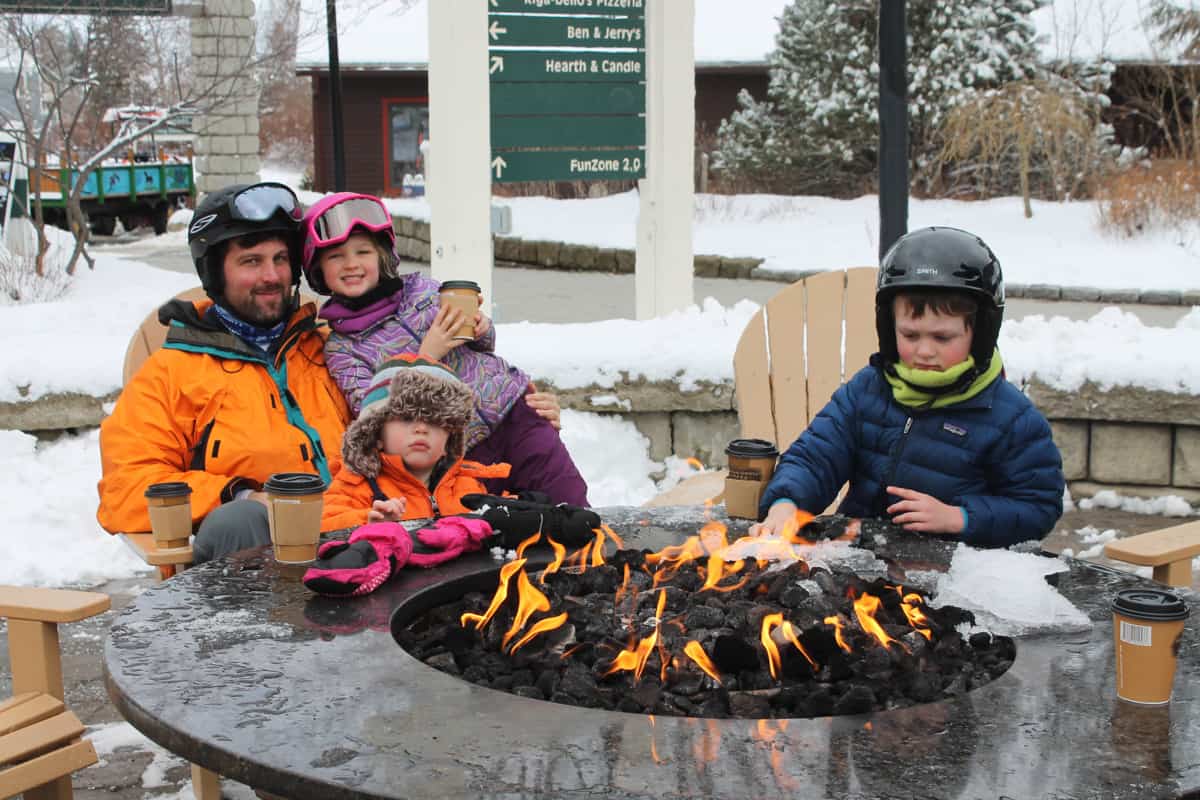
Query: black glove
516, 519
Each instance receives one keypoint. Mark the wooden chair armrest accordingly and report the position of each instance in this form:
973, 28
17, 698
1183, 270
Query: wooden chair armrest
1157, 547
145, 548
50, 605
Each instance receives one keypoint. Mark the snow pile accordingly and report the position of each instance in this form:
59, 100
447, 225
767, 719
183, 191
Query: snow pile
49, 515
1107, 350
1008, 592
1168, 505
1094, 539
692, 346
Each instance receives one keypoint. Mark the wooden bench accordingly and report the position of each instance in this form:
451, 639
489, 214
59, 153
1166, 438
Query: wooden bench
792, 356
41, 741
1169, 551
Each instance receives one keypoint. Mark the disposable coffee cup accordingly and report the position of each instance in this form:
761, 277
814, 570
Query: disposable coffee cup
462, 295
170, 507
751, 465
295, 501
1147, 624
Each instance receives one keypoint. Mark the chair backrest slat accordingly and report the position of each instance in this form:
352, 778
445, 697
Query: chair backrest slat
819, 332
786, 320
861, 340
753, 381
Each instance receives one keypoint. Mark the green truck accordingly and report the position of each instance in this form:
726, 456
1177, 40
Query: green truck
139, 193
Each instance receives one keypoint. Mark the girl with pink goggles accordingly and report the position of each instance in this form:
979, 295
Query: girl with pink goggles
332, 219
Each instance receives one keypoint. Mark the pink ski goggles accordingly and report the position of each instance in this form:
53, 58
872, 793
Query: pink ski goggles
335, 224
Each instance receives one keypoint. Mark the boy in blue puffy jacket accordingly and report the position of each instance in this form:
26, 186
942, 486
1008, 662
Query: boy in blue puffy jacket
929, 434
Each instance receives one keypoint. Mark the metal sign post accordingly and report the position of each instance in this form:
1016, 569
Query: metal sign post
664, 271
459, 190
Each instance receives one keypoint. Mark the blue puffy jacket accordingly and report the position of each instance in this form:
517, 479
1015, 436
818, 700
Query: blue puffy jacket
991, 454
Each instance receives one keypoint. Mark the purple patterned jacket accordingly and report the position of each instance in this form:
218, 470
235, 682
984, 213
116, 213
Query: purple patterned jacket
362, 340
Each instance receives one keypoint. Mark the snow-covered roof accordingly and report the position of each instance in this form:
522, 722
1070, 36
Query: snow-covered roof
394, 36
1076, 31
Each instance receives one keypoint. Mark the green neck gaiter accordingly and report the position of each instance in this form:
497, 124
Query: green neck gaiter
924, 388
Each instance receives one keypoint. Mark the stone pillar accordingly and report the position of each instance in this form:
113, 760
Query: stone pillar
227, 131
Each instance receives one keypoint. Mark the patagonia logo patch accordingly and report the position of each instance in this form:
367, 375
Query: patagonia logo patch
951, 428
424, 304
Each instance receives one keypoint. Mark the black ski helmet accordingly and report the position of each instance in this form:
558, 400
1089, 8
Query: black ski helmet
942, 258
240, 210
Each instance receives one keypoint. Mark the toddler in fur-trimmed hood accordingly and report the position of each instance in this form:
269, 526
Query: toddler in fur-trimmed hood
403, 456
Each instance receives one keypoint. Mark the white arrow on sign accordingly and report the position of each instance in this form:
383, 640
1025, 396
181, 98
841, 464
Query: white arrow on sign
495, 30
495, 3
498, 164
497, 65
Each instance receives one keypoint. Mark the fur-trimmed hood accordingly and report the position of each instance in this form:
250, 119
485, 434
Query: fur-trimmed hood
447, 403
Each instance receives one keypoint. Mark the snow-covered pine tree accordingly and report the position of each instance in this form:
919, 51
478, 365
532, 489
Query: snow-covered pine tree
818, 129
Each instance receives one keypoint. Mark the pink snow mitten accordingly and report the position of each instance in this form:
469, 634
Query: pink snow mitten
450, 537
360, 564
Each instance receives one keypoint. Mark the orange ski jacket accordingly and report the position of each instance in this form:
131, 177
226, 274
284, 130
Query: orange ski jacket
350, 496
219, 414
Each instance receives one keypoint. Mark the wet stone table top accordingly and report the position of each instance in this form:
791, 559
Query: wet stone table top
235, 666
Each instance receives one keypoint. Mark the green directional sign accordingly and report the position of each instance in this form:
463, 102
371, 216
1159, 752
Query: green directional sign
568, 131
626, 8
566, 65
133, 7
514, 166
568, 98
507, 30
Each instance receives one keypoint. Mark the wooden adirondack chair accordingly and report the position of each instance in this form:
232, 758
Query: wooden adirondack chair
793, 354
150, 336
41, 741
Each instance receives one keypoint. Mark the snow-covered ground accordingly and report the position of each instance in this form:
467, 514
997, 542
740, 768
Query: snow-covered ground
77, 343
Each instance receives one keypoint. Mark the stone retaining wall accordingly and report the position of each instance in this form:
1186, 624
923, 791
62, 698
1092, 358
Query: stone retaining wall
1138, 442
412, 242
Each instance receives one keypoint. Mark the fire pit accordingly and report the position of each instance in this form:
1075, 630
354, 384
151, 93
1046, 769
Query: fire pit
707, 629
236, 667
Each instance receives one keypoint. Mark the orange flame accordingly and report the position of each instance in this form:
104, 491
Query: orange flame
836, 622
774, 660
916, 617
523, 546
790, 633
497, 599
769, 622
529, 601
634, 658
671, 558
865, 607
547, 624
623, 588
598, 548
579, 559
696, 653
718, 568
617, 540
791, 528
559, 553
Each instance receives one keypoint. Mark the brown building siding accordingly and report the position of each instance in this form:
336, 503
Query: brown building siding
365, 96
364, 99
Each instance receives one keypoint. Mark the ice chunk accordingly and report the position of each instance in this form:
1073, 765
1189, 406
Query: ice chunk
1008, 592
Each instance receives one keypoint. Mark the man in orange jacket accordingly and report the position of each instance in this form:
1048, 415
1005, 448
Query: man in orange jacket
239, 390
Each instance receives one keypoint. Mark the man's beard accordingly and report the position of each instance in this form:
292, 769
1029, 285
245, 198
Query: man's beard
257, 315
